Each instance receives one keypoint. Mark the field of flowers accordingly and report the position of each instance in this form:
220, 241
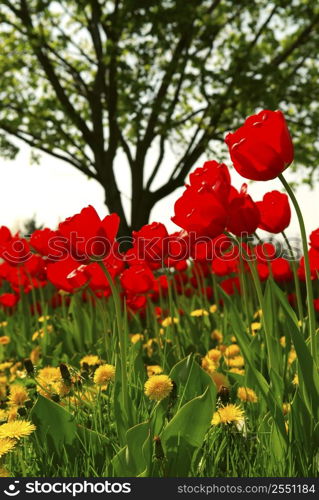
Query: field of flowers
185, 354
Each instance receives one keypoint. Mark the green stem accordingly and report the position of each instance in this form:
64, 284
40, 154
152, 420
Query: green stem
311, 311
296, 279
122, 337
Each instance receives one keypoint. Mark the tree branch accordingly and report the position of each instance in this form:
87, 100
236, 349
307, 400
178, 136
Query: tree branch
300, 40
51, 75
21, 134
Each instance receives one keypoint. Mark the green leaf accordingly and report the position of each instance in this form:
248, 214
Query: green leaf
56, 427
185, 433
191, 380
130, 460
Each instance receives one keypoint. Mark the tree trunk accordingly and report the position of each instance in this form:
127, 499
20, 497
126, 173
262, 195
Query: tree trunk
142, 205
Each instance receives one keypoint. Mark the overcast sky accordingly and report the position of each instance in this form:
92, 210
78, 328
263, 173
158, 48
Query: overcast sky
54, 190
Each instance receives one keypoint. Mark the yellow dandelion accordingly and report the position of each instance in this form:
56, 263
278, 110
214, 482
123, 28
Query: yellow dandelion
16, 429
3, 324
104, 374
220, 380
37, 334
154, 370
15, 368
236, 362
239, 371
214, 355
91, 360
209, 365
198, 313
170, 321
3, 391
42, 319
49, 374
5, 366
213, 308
61, 388
222, 348
286, 407
258, 314
217, 335
295, 380
6, 445
228, 414
18, 374
149, 346
18, 395
247, 395
255, 326
231, 351
4, 340
35, 355
282, 341
136, 337
158, 387
292, 356
233, 339
12, 414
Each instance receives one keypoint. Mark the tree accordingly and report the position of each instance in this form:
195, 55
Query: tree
82, 80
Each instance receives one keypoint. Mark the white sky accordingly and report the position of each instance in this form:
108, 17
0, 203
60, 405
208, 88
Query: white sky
54, 190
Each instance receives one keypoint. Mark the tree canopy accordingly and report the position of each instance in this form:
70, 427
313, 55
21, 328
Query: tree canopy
82, 80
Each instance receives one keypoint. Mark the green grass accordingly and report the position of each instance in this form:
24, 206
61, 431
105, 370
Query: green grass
119, 431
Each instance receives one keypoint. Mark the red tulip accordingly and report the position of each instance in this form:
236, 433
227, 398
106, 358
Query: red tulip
215, 175
265, 252
49, 243
231, 285
136, 303
16, 251
314, 239
281, 270
64, 274
137, 279
275, 213
261, 148
150, 243
206, 249
9, 299
222, 266
88, 236
243, 212
316, 304
178, 250
263, 271
5, 236
199, 210
314, 265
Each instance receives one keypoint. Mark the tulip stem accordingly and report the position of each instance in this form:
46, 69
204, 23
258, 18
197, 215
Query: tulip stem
296, 279
311, 311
